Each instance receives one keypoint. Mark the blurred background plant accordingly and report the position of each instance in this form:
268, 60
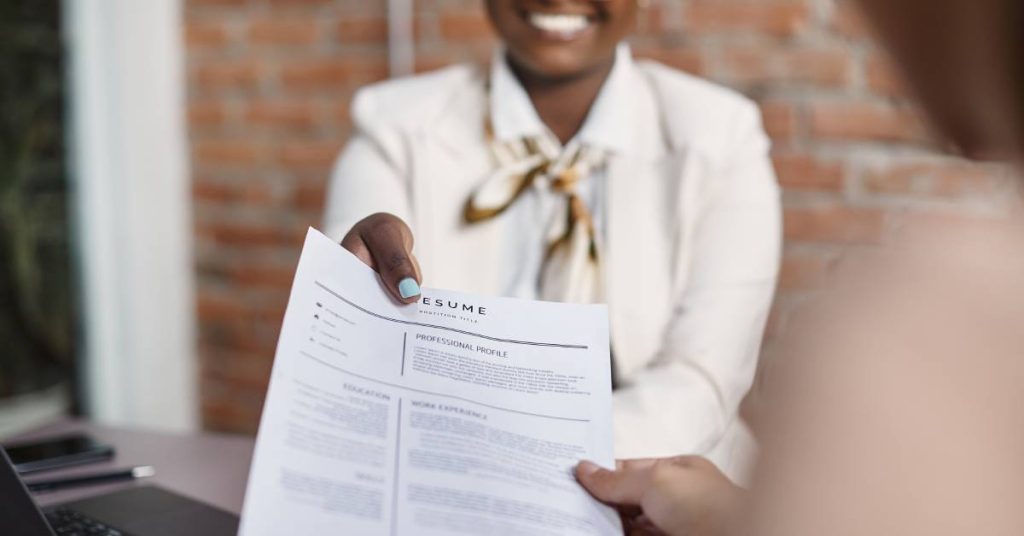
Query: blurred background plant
36, 290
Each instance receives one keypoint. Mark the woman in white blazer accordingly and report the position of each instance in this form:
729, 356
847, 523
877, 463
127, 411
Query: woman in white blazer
567, 170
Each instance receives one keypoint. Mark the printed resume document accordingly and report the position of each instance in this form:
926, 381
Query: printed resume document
459, 414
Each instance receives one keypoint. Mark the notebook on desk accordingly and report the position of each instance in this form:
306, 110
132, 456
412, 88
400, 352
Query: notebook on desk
139, 511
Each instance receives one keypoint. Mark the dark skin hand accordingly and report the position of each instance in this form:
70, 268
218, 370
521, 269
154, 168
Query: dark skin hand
562, 72
384, 243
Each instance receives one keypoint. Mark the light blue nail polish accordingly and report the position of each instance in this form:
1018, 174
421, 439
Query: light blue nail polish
408, 288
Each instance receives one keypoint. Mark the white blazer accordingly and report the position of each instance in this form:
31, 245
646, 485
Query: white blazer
692, 236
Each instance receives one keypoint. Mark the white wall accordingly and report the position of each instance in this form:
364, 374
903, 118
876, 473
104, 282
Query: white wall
132, 193
401, 46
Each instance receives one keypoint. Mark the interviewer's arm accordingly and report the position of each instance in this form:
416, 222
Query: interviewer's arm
678, 496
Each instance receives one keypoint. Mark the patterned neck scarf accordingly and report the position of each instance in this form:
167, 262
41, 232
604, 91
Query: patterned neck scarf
571, 269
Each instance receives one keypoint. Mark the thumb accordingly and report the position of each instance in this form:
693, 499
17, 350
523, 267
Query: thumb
386, 241
623, 487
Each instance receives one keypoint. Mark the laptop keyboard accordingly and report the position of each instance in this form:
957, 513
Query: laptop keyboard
66, 522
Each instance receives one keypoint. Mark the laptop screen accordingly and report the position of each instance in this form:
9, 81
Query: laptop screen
19, 515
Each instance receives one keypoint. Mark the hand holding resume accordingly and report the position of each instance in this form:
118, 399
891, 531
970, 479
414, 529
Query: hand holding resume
460, 414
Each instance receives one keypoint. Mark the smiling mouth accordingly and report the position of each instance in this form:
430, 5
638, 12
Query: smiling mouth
560, 25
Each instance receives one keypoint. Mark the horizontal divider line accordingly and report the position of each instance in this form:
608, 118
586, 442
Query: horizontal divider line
422, 324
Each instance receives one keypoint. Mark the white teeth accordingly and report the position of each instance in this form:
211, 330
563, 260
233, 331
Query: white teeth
557, 23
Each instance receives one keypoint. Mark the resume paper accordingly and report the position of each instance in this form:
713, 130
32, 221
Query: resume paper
459, 414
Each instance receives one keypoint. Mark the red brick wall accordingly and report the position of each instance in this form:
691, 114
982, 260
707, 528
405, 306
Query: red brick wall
269, 82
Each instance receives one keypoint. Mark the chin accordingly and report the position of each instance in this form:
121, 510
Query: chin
553, 62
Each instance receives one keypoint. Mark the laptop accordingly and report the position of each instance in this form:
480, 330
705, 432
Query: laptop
137, 511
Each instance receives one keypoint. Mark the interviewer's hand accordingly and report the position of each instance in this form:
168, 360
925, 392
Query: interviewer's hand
384, 243
678, 496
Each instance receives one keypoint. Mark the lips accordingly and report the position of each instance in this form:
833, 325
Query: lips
561, 25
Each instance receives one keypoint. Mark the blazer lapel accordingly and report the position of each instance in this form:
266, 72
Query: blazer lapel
641, 231
451, 160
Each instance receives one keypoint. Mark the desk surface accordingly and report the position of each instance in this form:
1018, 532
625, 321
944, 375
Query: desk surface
212, 468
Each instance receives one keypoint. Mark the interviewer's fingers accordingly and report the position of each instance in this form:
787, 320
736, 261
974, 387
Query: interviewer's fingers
384, 242
624, 487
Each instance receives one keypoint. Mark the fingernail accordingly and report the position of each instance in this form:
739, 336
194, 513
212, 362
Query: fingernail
586, 468
408, 288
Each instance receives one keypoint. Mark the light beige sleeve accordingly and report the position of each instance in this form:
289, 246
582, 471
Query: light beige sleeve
372, 172
686, 400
